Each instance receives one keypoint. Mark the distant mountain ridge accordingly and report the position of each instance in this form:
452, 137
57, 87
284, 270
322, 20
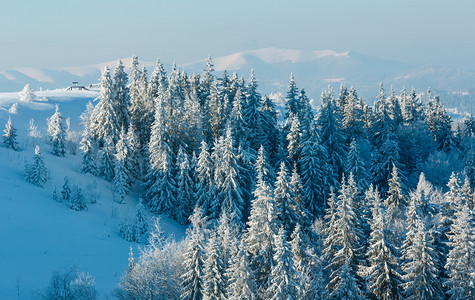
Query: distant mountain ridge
313, 70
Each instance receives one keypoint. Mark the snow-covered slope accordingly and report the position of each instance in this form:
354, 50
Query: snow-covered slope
38, 235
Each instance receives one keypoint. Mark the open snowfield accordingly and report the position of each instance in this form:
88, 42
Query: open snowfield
39, 235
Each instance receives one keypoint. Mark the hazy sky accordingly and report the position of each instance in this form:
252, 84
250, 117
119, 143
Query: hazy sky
57, 33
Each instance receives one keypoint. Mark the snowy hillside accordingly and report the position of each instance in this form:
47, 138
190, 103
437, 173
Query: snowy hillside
40, 235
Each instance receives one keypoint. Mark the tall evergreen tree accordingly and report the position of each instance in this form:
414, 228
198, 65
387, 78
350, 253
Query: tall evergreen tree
36, 172
343, 237
356, 165
329, 122
121, 96
461, 257
241, 277
205, 183
230, 194
287, 210
419, 260
382, 274
57, 133
261, 228
213, 280
9, 138
104, 122
283, 283
194, 257
185, 194
251, 113
122, 178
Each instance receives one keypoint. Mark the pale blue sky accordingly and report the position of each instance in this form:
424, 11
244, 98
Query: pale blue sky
51, 33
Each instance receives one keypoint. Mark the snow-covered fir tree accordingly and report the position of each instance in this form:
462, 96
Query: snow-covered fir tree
214, 281
461, 256
419, 260
77, 201
316, 175
104, 122
26, 94
383, 275
194, 257
286, 207
57, 133
226, 176
36, 172
283, 282
9, 136
262, 226
342, 237
66, 190
121, 99
122, 178
185, 196
107, 160
241, 282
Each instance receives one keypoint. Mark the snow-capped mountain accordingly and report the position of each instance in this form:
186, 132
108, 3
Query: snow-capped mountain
313, 70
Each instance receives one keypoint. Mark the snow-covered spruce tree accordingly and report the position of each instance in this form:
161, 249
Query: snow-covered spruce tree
57, 133
104, 123
356, 166
283, 282
160, 187
419, 267
36, 172
395, 111
204, 173
121, 99
194, 257
216, 110
316, 175
383, 160
107, 159
293, 139
395, 204
141, 224
26, 94
134, 154
9, 138
241, 282
251, 113
306, 116
292, 103
286, 207
66, 190
347, 287
467, 193
228, 234
343, 237
382, 273
332, 137
352, 112
214, 282
227, 172
88, 163
77, 201
306, 265
185, 195
269, 129
262, 226
122, 179
439, 123
461, 257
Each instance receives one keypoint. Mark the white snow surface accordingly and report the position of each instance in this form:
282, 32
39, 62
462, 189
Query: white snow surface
39, 235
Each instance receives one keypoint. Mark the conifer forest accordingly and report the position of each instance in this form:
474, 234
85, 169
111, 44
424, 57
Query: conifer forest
349, 199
